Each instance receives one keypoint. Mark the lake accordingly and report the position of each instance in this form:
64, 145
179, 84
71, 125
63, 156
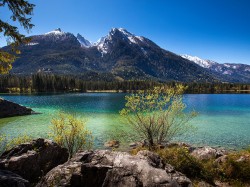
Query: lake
223, 119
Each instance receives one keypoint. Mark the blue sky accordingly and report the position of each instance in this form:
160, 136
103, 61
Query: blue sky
211, 29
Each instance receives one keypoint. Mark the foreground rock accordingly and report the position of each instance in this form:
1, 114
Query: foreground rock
205, 153
9, 179
9, 109
106, 168
33, 160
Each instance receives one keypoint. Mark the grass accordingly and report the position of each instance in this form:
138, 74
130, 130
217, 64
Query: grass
234, 169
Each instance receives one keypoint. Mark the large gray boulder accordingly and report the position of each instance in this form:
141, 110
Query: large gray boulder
34, 159
114, 169
9, 179
206, 152
9, 109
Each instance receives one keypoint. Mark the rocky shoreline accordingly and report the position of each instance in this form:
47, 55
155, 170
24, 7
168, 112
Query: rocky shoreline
10, 109
43, 163
199, 152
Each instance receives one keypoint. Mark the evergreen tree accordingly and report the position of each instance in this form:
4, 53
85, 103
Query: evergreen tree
21, 10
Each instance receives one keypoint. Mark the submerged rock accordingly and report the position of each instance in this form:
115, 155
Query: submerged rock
9, 179
112, 144
141, 143
9, 109
34, 159
133, 145
106, 168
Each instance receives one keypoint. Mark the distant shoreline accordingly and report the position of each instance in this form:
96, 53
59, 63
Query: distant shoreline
105, 91
125, 91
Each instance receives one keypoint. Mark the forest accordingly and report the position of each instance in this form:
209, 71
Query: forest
41, 82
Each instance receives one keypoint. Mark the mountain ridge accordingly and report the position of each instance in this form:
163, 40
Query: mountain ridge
120, 55
239, 71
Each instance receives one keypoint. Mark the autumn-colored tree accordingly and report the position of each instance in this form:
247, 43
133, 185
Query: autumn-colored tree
21, 10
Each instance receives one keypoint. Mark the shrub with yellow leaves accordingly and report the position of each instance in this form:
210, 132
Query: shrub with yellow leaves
70, 132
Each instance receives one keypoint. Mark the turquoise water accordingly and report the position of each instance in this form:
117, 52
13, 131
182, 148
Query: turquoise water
223, 120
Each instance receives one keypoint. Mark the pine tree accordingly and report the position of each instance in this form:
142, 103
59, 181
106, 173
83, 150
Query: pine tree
21, 10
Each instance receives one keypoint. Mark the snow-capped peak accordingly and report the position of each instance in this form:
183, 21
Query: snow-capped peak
55, 32
199, 61
131, 37
84, 42
121, 30
104, 42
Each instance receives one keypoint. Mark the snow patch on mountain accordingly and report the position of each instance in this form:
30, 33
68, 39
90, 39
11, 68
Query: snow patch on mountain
199, 61
32, 43
218, 69
140, 38
55, 32
102, 45
84, 42
240, 71
131, 37
232, 66
227, 72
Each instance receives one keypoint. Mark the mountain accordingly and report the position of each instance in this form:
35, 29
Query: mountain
237, 72
84, 42
119, 55
199, 61
130, 56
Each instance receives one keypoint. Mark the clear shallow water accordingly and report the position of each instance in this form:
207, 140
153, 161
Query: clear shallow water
223, 120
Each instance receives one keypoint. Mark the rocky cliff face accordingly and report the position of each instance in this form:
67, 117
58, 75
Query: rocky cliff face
9, 109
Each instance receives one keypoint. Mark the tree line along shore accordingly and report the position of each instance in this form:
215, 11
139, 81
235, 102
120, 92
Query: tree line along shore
59, 83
